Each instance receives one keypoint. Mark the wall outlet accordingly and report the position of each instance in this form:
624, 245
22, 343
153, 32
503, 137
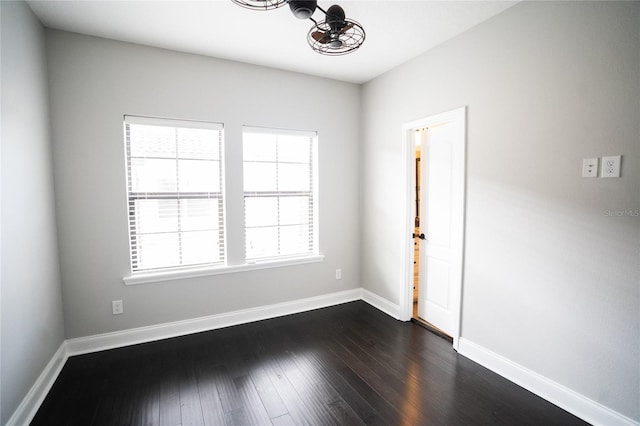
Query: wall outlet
590, 167
117, 307
610, 166
338, 274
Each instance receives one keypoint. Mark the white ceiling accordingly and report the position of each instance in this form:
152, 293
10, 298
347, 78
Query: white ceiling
396, 31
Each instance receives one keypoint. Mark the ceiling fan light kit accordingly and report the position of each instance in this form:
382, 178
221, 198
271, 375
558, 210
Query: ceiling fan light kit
336, 35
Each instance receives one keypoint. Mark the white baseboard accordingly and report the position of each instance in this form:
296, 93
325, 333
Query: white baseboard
134, 336
557, 394
34, 398
565, 398
32, 401
381, 303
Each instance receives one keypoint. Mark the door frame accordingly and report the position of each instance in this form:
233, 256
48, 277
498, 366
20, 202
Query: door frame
458, 117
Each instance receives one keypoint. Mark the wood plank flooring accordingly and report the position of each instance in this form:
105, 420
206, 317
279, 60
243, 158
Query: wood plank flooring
344, 365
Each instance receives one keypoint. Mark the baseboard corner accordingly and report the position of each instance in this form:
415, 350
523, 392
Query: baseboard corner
30, 404
382, 304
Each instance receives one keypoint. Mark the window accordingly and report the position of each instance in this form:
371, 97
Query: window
175, 193
176, 203
280, 193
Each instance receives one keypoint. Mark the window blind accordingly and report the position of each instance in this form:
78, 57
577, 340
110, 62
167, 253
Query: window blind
280, 193
174, 193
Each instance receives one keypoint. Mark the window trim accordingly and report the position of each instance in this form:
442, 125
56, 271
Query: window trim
157, 121
197, 272
205, 270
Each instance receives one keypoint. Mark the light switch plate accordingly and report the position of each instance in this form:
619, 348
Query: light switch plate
590, 167
610, 166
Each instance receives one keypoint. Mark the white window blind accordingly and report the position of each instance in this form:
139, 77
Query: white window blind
175, 196
280, 193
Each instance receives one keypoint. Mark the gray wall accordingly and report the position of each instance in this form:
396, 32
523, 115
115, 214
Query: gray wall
32, 328
93, 83
551, 281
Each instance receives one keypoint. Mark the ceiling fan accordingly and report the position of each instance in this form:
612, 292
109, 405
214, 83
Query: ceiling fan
335, 35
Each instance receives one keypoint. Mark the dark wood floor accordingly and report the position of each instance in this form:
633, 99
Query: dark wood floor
348, 364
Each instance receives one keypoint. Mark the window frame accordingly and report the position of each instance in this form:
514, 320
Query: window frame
312, 193
177, 196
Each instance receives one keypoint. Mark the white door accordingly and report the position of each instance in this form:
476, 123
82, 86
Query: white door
442, 222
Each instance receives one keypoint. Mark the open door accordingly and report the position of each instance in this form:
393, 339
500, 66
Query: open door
442, 178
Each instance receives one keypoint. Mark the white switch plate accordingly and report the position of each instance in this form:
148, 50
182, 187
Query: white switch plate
117, 307
338, 274
590, 167
610, 166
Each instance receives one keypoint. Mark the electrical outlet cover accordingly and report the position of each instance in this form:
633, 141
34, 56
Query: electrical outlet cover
610, 166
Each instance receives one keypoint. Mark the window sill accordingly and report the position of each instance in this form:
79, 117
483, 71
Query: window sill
178, 274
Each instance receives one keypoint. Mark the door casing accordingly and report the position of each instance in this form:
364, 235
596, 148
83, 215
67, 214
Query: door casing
457, 117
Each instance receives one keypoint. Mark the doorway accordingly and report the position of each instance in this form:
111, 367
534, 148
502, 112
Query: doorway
435, 153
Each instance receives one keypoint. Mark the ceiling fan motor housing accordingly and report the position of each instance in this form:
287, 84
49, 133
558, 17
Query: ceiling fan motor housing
335, 16
303, 9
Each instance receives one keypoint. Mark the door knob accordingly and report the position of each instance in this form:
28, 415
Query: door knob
421, 236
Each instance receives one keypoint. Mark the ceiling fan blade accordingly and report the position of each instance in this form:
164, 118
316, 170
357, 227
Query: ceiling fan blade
321, 37
346, 28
